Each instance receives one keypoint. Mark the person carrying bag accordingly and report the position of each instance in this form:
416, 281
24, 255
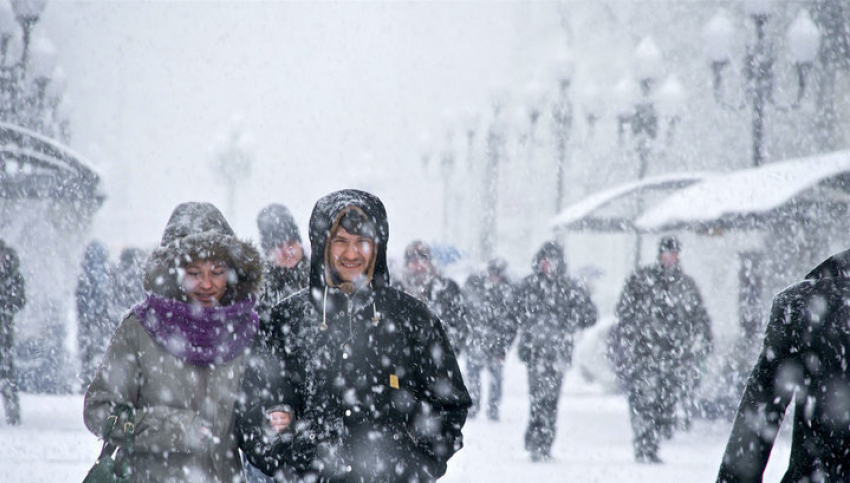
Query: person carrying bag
106, 469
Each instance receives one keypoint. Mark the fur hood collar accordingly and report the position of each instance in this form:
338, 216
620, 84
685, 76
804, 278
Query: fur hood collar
198, 231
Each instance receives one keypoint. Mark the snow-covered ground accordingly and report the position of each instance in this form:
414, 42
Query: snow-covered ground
593, 443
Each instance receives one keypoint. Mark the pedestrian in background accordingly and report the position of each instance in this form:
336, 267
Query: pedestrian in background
662, 337
490, 300
422, 280
12, 300
287, 270
129, 286
551, 309
95, 318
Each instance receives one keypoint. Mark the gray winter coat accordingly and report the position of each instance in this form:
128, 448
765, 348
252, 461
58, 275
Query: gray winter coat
184, 412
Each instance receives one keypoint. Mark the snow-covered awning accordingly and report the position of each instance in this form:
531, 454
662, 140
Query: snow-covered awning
33, 166
751, 198
615, 209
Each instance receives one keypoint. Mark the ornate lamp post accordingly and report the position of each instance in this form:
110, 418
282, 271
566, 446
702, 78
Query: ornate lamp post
495, 147
233, 161
804, 43
562, 115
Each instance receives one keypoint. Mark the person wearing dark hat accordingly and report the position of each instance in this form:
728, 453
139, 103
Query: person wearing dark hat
287, 270
178, 356
422, 280
551, 308
662, 337
490, 299
379, 397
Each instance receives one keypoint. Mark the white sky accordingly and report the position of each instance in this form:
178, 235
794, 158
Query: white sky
331, 92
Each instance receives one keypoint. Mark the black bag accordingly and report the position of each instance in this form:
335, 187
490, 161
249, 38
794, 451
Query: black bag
105, 469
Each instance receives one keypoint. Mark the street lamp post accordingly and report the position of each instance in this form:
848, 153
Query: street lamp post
494, 154
562, 115
804, 42
233, 161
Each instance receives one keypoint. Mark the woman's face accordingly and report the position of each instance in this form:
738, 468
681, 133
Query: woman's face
205, 282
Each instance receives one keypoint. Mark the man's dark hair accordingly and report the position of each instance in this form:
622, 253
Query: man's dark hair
356, 223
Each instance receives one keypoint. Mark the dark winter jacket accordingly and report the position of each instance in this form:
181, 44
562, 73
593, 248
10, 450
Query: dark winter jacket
662, 324
492, 320
804, 359
550, 310
12, 289
94, 291
444, 297
373, 383
279, 283
184, 412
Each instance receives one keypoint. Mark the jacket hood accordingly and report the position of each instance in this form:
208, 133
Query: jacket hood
325, 217
198, 231
553, 252
836, 266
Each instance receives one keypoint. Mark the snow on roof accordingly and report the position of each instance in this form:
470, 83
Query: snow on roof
748, 191
582, 209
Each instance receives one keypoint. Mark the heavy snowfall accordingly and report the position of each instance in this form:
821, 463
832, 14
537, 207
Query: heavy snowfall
488, 129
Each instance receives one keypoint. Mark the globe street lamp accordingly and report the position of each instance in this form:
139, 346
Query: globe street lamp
804, 43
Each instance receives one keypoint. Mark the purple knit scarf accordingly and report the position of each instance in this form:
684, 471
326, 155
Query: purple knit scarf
199, 335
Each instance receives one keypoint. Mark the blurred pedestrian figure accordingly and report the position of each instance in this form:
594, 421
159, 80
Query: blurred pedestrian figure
95, 320
663, 335
551, 308
377, 394
129, 286
178, 357
287, 270
803, 359
12, 300
422, 280
490, 299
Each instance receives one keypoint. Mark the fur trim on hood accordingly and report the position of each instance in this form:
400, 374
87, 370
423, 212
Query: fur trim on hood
198, 231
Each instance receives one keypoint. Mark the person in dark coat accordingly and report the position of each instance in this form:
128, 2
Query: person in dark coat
12, 300
551, 308
422, 280
287, 269
490, 299
95, 321
362, 375
662, 336
804, 360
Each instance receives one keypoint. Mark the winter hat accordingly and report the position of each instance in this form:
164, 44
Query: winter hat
198, 231
277, 226
669, 243
553, 252
417, 249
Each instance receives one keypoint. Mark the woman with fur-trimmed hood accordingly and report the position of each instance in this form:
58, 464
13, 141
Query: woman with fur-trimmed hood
178, 357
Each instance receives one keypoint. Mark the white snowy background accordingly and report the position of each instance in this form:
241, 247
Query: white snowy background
361, 94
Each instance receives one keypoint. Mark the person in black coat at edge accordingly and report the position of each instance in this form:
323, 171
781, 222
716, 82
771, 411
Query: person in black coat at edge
490, 298
551, 307
13, 298
94, 297
358, 382
423, 280
804, 359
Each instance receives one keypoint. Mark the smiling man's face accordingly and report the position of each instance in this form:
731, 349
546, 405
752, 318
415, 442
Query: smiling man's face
350, 255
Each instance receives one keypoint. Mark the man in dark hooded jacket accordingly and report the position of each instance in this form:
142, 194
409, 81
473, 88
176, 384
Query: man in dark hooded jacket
12, 300
365, 372
803, 359
662, 336
551, 308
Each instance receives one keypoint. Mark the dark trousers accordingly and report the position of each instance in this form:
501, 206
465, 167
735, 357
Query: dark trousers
474, 367
652, 400
544, 386
8, 375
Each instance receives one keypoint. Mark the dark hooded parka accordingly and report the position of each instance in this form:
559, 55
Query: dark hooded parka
178, 364
378, 396
804, 359
277, 226
551, 308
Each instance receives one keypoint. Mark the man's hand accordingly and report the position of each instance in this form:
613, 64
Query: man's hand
279, 420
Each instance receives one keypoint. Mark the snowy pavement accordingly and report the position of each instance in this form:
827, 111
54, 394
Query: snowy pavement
593, 443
